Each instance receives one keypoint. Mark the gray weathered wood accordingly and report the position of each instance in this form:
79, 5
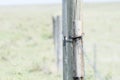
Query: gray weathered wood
78, 57
59, 42
54, 27
95, 60
65, 55
73, 68
69, 46
57, 35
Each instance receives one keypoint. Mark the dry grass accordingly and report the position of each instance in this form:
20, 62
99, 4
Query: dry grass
26, 44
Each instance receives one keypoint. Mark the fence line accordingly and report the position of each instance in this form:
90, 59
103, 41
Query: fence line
58, 42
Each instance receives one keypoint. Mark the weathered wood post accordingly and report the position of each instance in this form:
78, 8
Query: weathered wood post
73, 67
67, 75
54, 29
57, 35
54, 19
95, 59
59, 42
65, 51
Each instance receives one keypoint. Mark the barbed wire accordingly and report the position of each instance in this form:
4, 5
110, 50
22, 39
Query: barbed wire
98, 74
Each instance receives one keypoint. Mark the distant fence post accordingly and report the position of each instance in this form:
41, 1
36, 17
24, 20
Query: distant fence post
95, 59
57, 35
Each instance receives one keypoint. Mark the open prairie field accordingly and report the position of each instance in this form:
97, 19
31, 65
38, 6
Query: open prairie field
26, 44
102, 28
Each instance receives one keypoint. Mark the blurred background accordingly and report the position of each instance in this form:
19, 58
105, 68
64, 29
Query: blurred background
26, 39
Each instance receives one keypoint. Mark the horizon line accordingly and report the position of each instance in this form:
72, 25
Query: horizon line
10, 4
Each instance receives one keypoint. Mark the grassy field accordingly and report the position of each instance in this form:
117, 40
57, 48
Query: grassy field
26, 44
102, 27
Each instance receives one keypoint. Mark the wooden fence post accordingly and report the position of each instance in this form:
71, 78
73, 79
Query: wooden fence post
95, 59
60, 42
65, 51
54, 29
57, 34
73, 42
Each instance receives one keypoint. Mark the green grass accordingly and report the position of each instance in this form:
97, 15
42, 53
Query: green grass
102, 27
26, 44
